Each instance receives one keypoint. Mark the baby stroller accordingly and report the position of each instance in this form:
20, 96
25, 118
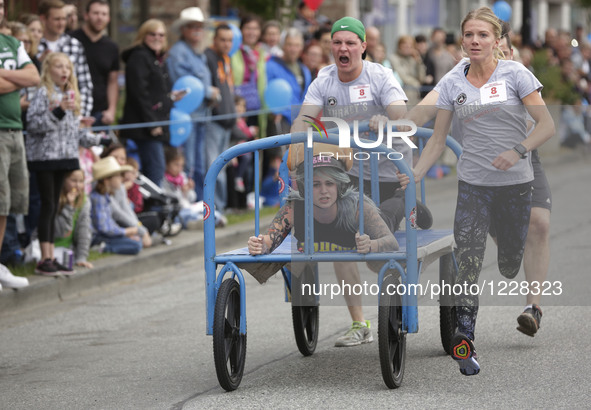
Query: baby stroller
166, 208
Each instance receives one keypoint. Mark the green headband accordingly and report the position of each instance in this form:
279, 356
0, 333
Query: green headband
349, 24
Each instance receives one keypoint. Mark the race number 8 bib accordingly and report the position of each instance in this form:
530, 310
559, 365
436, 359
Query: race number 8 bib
493, 92
360, 93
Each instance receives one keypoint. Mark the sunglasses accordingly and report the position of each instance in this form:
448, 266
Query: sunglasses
159, 35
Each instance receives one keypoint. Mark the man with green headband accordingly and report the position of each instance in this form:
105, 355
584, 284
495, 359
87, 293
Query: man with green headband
354, 89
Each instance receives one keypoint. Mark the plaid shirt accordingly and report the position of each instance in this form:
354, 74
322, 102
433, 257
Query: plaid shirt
102, 218
75, 50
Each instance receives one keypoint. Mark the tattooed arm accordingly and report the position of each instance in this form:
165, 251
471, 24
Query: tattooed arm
278, 230
377, 236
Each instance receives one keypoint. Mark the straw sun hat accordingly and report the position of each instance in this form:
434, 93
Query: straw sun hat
107, 167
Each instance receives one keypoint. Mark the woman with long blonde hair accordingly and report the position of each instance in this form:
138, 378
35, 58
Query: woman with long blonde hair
490, 99
72, 224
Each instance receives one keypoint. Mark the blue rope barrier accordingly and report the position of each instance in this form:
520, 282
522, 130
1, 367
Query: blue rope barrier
205, 118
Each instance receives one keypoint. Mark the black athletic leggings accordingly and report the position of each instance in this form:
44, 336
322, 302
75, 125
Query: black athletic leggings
507, 208
391, 201
50, 185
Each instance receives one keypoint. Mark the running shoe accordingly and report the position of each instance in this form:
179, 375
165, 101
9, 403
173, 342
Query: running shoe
7, 279
529, 320
424, 217
175, 228
359, 333
464, 353
62, 268
46, 268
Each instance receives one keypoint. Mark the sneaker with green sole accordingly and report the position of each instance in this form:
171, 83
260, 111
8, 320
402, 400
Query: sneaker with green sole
464, 353
359, 333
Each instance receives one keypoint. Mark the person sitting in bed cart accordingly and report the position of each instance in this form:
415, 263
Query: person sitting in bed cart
336, 225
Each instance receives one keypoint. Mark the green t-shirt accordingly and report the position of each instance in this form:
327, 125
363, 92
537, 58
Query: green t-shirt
12, 57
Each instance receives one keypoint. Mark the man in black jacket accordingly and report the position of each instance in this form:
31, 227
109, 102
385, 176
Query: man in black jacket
217, 134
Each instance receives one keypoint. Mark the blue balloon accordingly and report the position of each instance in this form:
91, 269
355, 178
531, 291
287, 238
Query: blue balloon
181, 127
278, 95
195, 93
502, 10
236, 39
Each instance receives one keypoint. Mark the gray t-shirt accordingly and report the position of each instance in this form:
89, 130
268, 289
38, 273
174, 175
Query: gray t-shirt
360, 99
460, 67
490, 119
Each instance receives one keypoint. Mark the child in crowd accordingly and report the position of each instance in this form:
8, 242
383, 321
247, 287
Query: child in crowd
54, 135
175, 180
87, 157
106, 173
177, 185
72, 223
242, 133
122, 209
150, 219
133, 189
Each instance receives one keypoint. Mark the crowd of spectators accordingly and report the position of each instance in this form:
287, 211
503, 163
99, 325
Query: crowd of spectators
232, 84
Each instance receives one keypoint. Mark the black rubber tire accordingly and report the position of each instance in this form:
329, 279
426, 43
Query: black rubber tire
391, 338
305, 310
447, 309
305, 328
229, 346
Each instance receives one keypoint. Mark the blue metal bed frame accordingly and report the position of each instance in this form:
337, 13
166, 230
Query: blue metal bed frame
410, 240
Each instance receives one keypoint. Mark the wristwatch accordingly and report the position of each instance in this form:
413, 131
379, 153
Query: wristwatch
521, 150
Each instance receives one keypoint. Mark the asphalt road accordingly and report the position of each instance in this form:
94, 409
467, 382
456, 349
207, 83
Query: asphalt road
142, 343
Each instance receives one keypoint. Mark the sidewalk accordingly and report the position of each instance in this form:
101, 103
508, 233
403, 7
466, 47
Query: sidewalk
187, 245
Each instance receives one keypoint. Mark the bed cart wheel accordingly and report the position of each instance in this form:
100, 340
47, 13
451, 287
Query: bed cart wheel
391, 337
305, 311
447, 309
305, 327
229, 346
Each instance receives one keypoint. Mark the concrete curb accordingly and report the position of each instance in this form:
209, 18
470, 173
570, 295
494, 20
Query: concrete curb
116, 268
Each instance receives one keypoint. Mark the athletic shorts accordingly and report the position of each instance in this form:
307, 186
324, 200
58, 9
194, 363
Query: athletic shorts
541, 195
14, 177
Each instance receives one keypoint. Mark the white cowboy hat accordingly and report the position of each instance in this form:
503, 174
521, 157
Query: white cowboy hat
188, 15
107, 167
